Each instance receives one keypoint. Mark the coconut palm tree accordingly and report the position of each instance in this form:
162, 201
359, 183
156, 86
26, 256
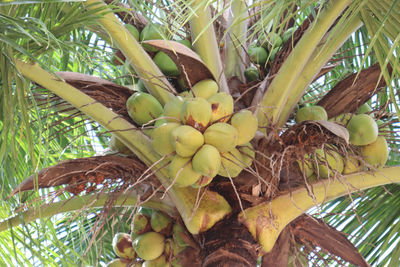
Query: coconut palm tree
68, 188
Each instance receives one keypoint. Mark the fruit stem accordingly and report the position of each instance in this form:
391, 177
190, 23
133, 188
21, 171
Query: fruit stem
266, 221
78, 203
151, 75
280, 89
205, 42
235, 40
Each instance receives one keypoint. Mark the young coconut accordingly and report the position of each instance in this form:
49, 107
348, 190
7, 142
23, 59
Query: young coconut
363, 130
161, 138
143, 107
221, 135
363, 109
186, 140
181, 171
141, 224
251, 74
172, 109
133, 30
376, 153
221, 106
311, 113
207, 161
122, 246
149, 246
150, 32
352, 165
196, 112
258, 54
205, 88
231, 163
177, 233
248, 154
159, 262
119, 263
246, 124
166, 64
329, 163
161, 223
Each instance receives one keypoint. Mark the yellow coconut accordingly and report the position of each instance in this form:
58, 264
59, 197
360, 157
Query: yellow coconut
329, 163
352, 165
221, 135
221, 106
143, 107
376, 153
196, 112
207, 161
311, 113
247, 154
149, 246
363, 130
231, 163
181, 171
161, 138
186, 140
246, 124
172, 109
205, 88
161, 223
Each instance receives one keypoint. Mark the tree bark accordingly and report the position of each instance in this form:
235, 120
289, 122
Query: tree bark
229, 244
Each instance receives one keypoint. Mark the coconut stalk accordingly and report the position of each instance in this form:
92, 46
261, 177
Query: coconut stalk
138, 58
235, 40
205, 42
280, 90
203, 217
97, 200
266, 221
319, 58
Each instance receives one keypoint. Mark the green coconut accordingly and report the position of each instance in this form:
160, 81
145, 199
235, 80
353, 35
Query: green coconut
205, 88
311, 113
177, 232
247, 154
247, 124
161, 138
150, 32
221, 135
161, 223
149, 246
207, 161
258, 54
119, 263
159, 262
166, 64
342, 118
377, 153
186, 140
133, 30
363, 130
122, 246
251, 74
186, 43
329, 163
221, 107
363, 109
141, 224
196, 112
288, 34
181, 171
143, 108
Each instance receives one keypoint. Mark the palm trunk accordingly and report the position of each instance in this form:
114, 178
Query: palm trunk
229, 243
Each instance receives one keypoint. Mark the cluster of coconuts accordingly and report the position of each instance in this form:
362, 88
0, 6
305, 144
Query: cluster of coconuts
364, 134
265, 50
200, 130
155, 241
162, 60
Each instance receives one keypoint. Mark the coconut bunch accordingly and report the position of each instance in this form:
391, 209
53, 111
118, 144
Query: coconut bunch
264, 50
204, 136
155, 241
364, 135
